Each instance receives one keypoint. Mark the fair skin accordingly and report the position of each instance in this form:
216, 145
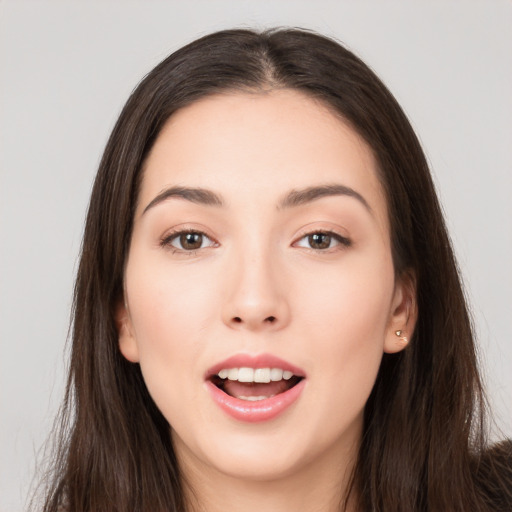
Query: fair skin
306, 278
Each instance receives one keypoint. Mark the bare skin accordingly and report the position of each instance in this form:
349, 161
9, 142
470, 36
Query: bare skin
288, 253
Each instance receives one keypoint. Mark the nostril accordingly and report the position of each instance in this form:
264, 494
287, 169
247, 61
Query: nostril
269, 320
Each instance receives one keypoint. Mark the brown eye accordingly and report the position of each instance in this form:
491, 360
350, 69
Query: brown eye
187, 241
322, 241
319, 240
191, 241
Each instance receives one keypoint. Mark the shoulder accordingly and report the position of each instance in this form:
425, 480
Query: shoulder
493, 475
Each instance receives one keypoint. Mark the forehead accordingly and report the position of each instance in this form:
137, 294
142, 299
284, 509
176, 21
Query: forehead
247, 145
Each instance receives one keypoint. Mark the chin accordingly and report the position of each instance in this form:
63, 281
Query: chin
270, 452
260, 466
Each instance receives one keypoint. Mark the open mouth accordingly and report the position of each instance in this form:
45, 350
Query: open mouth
254, 384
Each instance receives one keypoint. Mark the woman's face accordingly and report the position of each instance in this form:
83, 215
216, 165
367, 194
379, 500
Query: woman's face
260, 249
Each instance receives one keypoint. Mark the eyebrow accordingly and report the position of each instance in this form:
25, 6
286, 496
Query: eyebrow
309, 194
193, 194
292, 199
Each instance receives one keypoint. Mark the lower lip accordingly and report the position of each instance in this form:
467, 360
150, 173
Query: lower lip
260, 410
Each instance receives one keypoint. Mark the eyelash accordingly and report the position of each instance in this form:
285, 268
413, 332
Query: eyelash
166, 242
339, 239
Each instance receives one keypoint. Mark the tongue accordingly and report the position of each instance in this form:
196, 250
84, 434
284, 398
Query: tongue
244, 389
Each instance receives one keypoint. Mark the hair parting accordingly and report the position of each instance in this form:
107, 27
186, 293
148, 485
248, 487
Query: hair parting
424, 443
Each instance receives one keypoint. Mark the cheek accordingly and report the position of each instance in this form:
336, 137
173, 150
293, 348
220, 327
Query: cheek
345, 335
347, 316
167, 304
169, 313
351, 301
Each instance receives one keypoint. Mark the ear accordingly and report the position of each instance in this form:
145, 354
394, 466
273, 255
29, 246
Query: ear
127, 342
403, 314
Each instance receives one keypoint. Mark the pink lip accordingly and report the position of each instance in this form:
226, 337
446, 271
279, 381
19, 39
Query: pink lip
252, 412
261, 410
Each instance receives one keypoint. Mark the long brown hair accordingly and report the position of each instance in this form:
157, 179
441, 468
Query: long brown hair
424, 421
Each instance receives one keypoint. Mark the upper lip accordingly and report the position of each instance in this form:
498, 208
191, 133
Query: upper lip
254, 361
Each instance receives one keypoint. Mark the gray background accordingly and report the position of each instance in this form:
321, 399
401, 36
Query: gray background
66, 68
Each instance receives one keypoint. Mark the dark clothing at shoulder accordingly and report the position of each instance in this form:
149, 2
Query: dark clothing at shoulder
493, 473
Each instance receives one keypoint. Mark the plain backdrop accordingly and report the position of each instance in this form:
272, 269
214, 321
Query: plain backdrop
66, 69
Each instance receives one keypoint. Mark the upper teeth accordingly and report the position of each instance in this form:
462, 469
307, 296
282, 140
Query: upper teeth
255, 374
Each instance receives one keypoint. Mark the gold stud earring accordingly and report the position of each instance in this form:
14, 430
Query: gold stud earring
403, 338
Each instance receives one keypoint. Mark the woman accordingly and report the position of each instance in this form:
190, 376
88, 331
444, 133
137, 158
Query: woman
267, 310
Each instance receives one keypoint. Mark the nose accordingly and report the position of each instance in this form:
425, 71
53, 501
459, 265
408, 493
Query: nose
256, 299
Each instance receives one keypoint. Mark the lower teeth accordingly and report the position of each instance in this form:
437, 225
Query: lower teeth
253, 398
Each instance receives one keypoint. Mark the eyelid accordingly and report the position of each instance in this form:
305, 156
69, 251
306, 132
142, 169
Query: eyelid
170, 235
343, 241
174, 233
